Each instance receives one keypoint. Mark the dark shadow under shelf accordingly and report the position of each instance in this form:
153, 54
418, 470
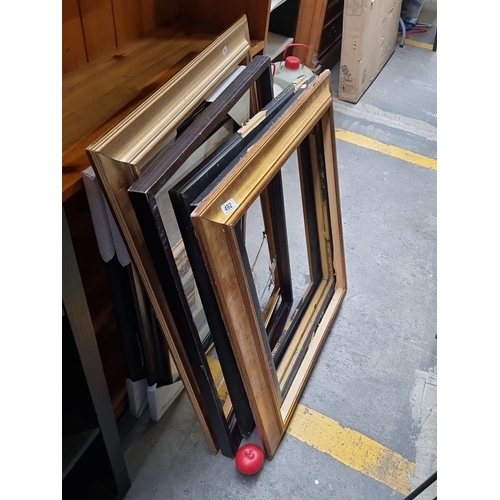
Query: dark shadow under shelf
74, 446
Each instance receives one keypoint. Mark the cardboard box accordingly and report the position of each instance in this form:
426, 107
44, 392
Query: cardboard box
369, 38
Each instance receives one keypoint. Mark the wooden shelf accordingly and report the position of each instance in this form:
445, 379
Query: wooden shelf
100, 94
276, 44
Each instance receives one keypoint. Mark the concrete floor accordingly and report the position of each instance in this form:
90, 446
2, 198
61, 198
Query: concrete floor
377, 372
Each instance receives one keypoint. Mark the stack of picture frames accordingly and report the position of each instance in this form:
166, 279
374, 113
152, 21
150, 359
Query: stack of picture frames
184, 181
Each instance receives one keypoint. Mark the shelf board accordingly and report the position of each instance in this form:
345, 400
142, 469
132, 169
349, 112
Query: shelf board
276, 3
99, 95
74, 446
276, 44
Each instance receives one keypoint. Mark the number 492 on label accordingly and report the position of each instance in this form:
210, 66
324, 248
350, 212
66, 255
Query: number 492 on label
229, 206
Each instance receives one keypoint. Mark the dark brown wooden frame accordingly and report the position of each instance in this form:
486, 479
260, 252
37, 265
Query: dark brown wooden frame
221, 247
227, 426
184, 198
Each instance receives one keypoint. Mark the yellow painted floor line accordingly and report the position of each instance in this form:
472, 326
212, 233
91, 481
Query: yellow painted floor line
218, 377
416, 43
352, 449
346, 445
387, 149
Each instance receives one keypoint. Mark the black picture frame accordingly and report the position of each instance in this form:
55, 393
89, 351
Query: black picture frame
186, 191
142, 194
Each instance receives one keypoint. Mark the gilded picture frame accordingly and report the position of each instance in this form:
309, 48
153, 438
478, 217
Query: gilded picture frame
120, 155
146, 194
307, 126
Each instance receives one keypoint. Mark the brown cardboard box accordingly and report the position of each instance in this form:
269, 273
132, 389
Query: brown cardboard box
369, 39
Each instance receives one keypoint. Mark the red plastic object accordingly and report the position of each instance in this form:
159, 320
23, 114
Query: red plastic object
249, 459
293, 62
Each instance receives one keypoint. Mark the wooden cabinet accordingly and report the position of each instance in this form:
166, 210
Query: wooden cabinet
115, 54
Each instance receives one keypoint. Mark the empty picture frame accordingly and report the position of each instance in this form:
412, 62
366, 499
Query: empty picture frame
120, 155
146, 195
280, 334
308, 120
190, 187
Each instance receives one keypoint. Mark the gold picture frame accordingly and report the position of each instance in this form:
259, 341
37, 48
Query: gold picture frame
309, 122
119, 156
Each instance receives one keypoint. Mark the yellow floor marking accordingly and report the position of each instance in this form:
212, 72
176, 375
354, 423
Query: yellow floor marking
416, 43
387, 149
345, 445
352, 449
218, 377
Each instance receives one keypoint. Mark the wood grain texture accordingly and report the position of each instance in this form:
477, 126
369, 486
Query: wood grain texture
221, 14
257, 47
332, 183
322, 258
115, 179
164, 166
99, 95
301, 337
307, 365
276, 145
73, 43
75, 158
143, 130
186, 192
258, 13
137, 138
128, 20
155, 13
339, 266
310, 26
215, 229
98, 26
143, 195
95, 93
244, 328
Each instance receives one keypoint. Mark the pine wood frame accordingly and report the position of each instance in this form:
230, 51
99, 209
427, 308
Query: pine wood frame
119, 156
222, 251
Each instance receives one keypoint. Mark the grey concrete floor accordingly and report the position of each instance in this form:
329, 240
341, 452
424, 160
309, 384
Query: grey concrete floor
377, 372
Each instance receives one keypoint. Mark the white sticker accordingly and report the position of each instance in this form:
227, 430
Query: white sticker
229, 206
224, 51
303, 86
